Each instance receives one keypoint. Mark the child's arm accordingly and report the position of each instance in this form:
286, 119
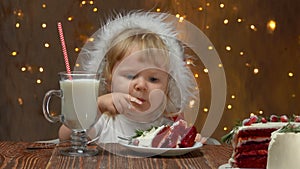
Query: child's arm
64, 133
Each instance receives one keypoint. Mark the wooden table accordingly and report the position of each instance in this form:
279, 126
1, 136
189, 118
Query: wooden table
17, 155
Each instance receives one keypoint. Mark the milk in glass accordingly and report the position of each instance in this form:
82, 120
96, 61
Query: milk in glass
79, 103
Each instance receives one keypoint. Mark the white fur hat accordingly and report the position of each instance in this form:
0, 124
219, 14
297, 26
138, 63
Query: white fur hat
182, 90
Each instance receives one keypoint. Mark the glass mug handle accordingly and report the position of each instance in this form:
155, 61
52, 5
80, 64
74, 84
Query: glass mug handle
46, 101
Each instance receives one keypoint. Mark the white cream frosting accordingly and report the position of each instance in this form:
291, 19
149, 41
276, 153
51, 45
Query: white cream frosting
284, 151
145, 140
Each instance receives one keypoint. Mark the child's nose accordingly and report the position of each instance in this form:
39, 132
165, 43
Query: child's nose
140, 84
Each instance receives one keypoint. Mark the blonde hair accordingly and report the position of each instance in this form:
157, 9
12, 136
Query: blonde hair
144, 40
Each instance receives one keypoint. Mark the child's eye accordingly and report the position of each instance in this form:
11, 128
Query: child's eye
130, 77
153, 79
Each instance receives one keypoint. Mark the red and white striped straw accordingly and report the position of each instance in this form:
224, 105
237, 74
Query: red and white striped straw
63, 45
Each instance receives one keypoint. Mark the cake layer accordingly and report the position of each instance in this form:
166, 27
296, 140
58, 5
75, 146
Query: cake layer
251, 162
253, 145
256, 133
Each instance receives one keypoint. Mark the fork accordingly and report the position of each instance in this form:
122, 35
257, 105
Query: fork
51, 145
129, 139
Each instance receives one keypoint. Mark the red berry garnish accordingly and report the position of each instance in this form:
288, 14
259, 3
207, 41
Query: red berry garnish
297, 118
274, 118
253, 118
247, 122
264, 120
284, 118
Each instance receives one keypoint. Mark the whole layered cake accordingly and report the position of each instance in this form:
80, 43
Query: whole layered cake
250, 140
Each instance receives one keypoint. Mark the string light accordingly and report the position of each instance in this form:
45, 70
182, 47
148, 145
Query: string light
23, 69
38, 81
290, 74
157, 9
14, 53
225, 21
47, 45
222, 5
44, 25
192, 103
18, 25
253, 27
228, 48
271, 26
20, 101
41, 69
95, 9
255, 71
229, 106
181, 19
90, 39
44, 5
205, 110
70, 18
225, 128
205, 70
196, 75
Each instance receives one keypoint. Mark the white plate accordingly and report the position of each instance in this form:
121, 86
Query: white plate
228, 166
162, 151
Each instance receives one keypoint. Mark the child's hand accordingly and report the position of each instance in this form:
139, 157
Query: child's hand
115, 103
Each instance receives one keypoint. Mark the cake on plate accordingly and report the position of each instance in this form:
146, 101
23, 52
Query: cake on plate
250, 140
177, 135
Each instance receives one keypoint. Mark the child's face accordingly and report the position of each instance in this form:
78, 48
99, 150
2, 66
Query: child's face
141, 78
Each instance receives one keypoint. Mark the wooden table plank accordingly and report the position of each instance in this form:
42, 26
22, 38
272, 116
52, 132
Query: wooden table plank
217, 155
16, 155
106, 159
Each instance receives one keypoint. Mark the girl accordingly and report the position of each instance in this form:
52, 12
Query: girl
146, 81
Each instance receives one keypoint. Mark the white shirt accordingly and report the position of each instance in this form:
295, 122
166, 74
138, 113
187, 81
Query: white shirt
108, 128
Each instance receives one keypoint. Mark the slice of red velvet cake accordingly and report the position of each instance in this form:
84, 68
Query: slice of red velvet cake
178, 135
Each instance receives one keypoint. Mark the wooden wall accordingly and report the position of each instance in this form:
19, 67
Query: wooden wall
274, 54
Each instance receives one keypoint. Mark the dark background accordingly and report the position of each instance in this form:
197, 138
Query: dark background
28, 69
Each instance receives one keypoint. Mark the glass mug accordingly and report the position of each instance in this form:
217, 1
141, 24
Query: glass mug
79, 109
